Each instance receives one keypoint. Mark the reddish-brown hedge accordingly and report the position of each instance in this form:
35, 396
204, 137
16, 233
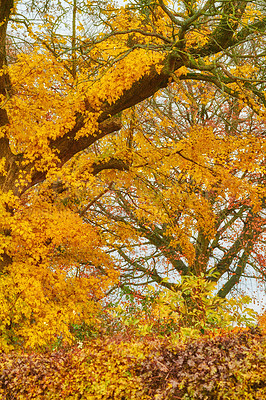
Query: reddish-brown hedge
229, 366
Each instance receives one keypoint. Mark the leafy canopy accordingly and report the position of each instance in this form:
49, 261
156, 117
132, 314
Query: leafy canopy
68, 71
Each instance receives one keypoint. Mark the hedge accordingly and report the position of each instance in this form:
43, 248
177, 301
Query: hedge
227, 366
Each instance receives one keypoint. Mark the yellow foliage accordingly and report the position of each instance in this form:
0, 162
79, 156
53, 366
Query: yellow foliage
63, 89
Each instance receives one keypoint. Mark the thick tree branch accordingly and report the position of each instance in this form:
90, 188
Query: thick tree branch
222, 36
67, 146
248, 236
228, 286
5, 10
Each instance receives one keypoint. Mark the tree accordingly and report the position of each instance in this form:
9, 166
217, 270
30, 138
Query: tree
67, 93
195, 201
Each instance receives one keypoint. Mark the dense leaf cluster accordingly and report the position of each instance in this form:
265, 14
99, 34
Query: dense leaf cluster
225, 366
102, 370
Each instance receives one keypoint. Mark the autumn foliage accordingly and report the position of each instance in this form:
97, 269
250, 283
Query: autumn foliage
178, 346
132, 199
193, 200
229, 365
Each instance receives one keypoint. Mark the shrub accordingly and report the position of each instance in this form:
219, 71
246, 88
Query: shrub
226, 366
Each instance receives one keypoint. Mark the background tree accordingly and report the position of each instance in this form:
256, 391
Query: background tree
194, 202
